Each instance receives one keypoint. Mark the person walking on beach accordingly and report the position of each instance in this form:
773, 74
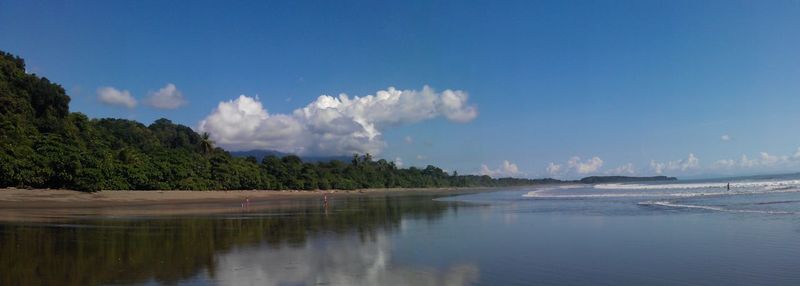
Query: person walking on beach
246, 203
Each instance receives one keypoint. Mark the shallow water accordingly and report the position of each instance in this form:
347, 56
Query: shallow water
693, 233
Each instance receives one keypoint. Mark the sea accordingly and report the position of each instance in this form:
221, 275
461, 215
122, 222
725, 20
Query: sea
686, 232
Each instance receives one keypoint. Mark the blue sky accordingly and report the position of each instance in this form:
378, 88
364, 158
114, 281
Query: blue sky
646, 87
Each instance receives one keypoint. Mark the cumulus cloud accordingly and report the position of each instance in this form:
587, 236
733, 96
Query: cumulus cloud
771, 160
588, 166
575, 166
112, 96
398, 162
626, 169
690, 163
763, 160
168, 97
507, 169
553, 169
331, 125
725, 137
725, 163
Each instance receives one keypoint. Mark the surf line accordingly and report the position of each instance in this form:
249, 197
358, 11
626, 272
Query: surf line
540, 194
710, 208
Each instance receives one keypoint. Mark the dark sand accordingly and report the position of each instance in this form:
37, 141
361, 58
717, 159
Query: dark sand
42, 205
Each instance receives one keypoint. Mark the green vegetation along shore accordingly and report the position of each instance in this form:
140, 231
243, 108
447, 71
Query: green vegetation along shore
44, 145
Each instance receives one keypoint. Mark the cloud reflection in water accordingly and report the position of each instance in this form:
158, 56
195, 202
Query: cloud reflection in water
332, 261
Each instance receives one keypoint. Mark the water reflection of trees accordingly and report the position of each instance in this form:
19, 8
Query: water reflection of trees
170, 250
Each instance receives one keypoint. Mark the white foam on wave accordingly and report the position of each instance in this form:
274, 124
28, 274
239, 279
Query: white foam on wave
673, 195
686, 186
710, 208
541, 194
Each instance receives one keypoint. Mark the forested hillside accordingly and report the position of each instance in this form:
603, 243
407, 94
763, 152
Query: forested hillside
46, 146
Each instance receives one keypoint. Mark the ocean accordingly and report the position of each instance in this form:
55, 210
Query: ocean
693, 232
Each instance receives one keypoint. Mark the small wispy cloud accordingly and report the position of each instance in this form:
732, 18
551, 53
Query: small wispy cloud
725, 137
683, 165
762, 160
626, 169
553, 169
575, 166
507, 169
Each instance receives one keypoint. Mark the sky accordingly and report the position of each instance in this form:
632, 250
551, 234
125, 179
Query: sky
560, 89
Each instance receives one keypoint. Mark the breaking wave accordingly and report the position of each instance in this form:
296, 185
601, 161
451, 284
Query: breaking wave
711, 208
709, 185
682, 195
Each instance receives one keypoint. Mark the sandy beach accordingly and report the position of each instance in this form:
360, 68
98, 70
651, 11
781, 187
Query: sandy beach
26, 205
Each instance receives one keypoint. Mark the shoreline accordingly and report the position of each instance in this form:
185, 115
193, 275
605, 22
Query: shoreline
47, 205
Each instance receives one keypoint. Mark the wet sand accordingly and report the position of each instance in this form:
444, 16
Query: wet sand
24, 205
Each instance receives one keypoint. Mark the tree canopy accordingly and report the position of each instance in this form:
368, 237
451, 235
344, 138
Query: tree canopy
46, 146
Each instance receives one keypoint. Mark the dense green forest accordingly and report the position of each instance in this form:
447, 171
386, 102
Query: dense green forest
44, 145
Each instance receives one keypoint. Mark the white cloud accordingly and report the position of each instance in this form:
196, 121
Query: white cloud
398, 162
408, 140
553, 168
657, 167
744, 162
575, 166
771, 160
421, 157
725, 137
510, 168
331, 125
726, 163
626, 169
112, 96
589, 166
690, 163
763, 160
507, 169
168, 97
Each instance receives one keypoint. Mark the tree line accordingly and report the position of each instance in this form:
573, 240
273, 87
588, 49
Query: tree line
44, 145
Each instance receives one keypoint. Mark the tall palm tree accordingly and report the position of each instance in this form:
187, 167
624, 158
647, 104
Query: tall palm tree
206, 144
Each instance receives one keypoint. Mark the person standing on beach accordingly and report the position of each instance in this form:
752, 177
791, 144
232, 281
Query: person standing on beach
729, 186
